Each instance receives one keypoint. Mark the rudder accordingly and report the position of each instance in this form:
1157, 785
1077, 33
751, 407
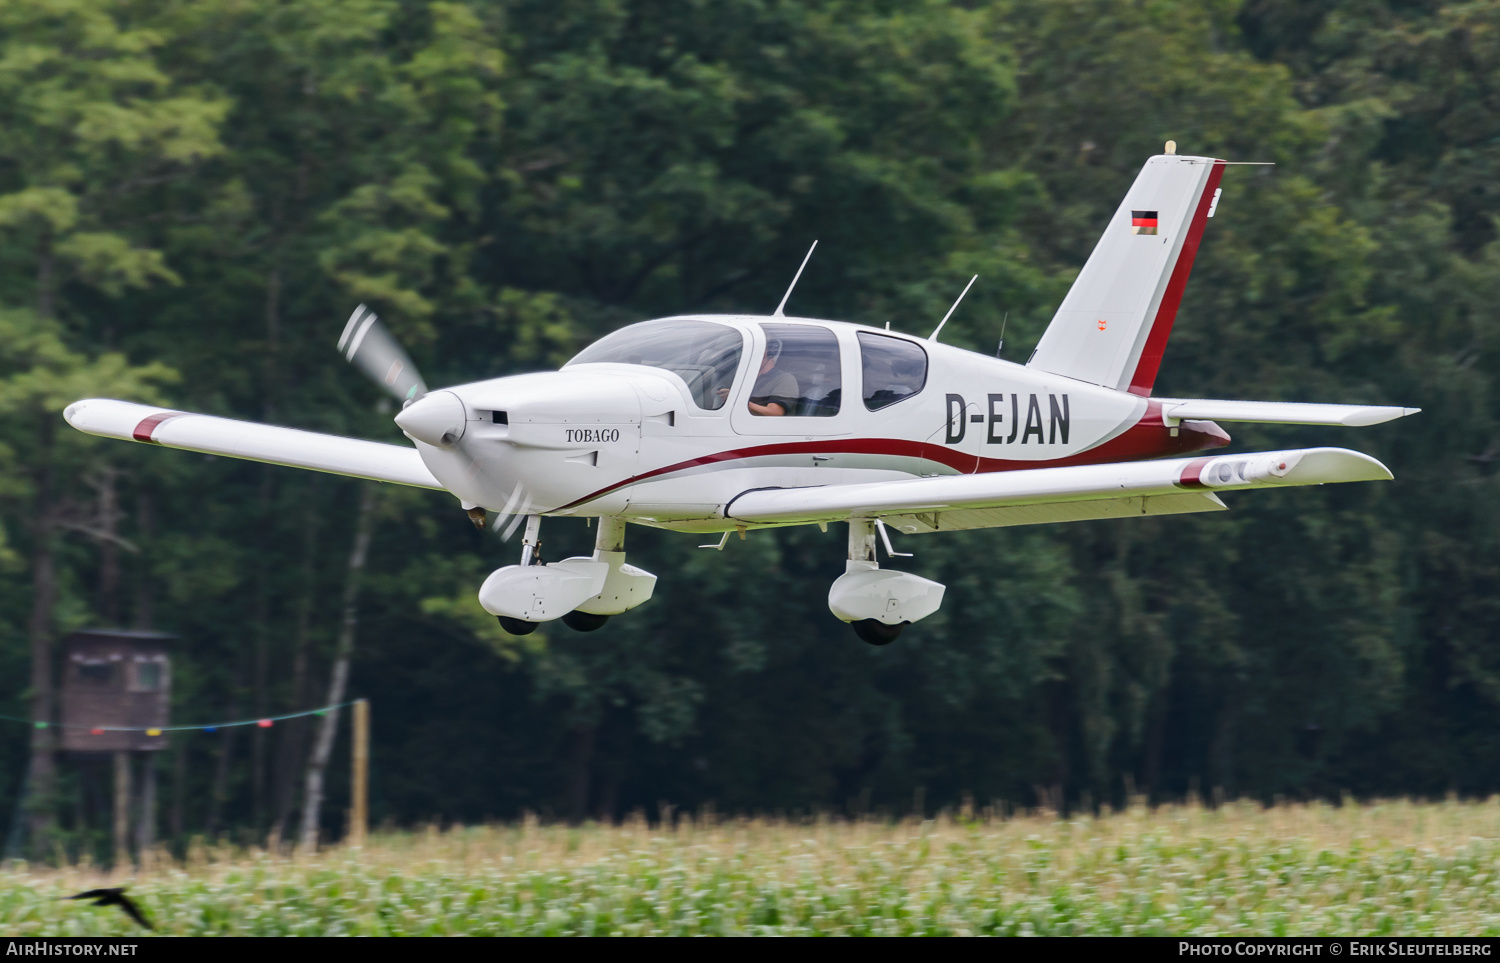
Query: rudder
1112, 327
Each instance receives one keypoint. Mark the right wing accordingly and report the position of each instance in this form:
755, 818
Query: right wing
1037, 495
245, 439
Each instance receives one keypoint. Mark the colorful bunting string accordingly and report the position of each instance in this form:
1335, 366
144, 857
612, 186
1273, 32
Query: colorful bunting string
263, 723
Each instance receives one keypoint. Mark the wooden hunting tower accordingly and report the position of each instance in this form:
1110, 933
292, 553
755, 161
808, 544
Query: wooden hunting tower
115, 677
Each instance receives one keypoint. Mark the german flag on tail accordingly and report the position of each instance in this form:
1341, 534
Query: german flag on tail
1143, 222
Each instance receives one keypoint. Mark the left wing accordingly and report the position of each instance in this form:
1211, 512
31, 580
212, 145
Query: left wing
1038, 495
255, 442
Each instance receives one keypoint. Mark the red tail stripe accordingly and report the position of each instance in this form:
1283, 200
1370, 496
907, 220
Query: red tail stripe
147, 427
1161, 327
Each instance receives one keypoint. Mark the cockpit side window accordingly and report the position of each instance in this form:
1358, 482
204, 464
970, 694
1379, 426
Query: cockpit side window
894, 369
703, 354
799, 373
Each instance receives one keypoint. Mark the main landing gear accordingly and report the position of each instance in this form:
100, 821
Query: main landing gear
877, 632
879, 604
583, 591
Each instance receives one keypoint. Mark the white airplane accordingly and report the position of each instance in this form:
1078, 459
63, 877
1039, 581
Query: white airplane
727, 423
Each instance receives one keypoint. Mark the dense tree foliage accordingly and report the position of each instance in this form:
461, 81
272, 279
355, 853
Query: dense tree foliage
194, 194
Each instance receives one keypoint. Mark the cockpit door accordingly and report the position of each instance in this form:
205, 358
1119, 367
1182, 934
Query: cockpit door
799, 382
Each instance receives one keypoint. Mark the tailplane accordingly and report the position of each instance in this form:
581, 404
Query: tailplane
1113, 326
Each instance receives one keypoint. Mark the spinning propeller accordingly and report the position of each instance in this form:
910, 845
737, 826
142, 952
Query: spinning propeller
369, 346
436, 419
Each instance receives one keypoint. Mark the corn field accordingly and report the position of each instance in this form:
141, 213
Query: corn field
1390, 868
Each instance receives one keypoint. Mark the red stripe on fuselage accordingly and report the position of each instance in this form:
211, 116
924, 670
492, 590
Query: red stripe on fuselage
148, 425
1166, 314
1147, 438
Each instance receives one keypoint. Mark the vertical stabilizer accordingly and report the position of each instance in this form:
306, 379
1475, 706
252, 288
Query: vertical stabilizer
1113, 326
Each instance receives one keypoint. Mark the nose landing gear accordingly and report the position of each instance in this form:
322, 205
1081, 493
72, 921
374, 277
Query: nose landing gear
580, 621
517, 626
583, 591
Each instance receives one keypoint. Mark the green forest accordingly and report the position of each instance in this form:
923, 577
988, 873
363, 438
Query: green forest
194, 194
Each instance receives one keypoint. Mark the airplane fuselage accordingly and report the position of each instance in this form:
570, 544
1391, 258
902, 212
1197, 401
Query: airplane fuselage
639, 441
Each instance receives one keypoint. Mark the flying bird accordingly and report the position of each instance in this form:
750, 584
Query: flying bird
115, 897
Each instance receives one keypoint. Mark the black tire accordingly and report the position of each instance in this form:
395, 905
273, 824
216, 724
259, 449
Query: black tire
584, 621
876, 632
517, 626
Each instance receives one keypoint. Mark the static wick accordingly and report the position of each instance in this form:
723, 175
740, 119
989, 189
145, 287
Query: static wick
933, 336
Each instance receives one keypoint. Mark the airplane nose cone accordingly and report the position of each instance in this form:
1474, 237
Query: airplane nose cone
437, 419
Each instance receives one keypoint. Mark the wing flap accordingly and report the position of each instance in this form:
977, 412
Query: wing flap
1279, 412
931, 497
961, 519
253, 442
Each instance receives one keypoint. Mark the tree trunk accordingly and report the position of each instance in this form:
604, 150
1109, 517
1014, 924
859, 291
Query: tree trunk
145, 524
294, 733
262, 630
312, 803
41, 780
108, 518
219, 795
582, 766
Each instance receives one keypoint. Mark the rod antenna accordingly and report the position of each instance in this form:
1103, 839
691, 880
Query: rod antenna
933, 336
793, 286
1002, 334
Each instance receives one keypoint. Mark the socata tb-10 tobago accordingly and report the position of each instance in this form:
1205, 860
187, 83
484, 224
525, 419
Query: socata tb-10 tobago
712, 423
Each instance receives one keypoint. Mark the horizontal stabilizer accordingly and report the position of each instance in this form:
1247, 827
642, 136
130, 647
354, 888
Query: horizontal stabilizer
1125, 483
251, 441
1174, 410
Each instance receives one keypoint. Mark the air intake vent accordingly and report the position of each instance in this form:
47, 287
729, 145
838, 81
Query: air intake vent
499, 418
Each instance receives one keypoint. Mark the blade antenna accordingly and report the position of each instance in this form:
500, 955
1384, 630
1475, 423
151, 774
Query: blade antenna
780, 307
1002, 334
933, 336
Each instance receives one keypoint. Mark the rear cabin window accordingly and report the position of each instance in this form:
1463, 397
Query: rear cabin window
894, 369
798, 375
701, 353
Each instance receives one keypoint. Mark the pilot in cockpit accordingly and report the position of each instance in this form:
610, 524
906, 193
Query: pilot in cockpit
775, 390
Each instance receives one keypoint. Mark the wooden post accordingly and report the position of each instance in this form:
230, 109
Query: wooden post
122, 809
359, 809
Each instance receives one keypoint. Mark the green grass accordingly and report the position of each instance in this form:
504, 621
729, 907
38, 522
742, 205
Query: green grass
1392, 868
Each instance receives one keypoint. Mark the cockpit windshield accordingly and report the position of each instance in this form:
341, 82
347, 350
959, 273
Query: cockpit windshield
703, 354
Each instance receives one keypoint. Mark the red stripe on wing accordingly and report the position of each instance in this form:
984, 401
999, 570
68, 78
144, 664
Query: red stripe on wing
148, 425
1192, 474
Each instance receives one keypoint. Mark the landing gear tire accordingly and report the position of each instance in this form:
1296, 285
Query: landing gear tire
516, 626
584, 621
876, 632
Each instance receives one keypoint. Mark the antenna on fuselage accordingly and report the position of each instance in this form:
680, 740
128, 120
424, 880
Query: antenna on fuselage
793, 287
1001, 346
934, 334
